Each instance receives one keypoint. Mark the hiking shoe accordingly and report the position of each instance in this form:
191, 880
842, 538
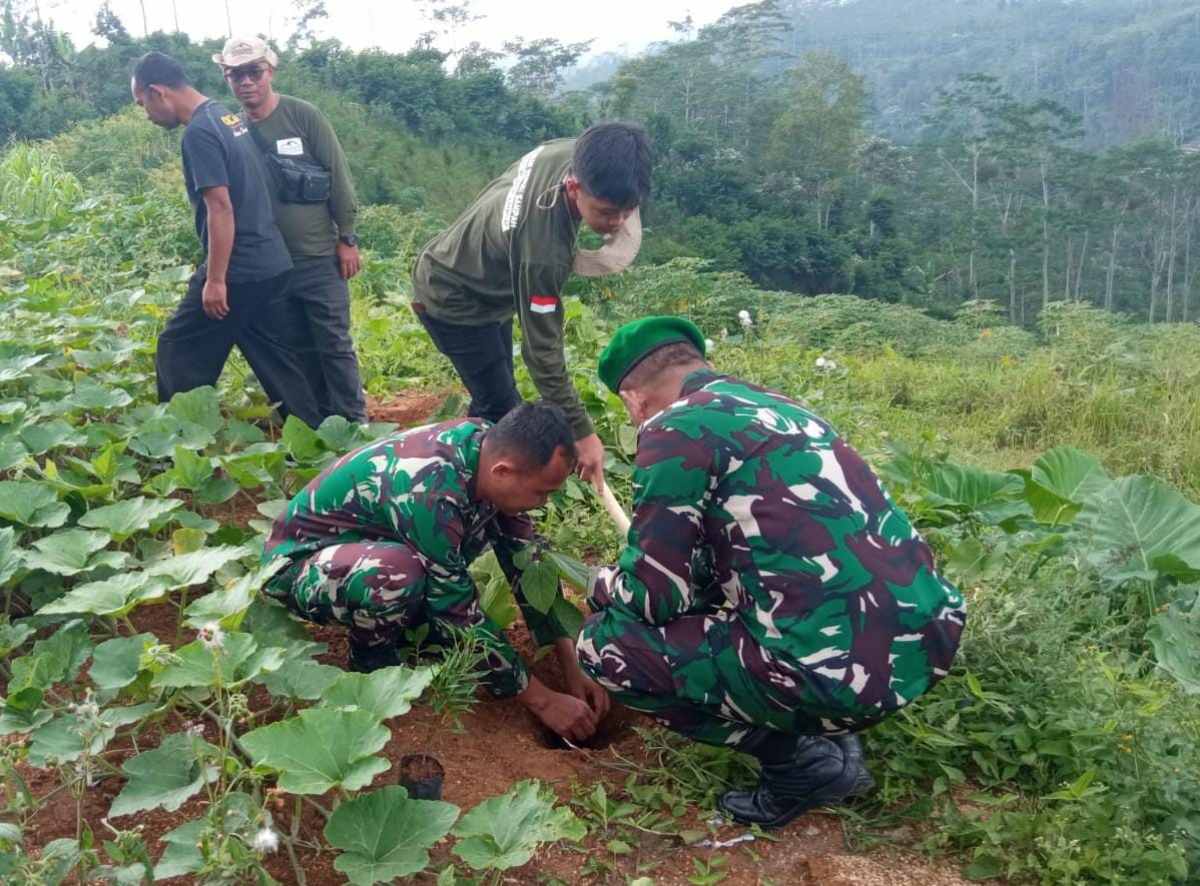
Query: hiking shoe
817, 774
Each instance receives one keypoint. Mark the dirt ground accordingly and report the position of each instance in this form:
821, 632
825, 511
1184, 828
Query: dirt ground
499, 744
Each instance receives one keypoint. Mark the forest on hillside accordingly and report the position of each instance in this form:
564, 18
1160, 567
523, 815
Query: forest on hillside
920, 153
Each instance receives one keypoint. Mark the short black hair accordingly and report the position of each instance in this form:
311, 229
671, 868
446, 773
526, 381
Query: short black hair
158, 69
613, 161
678, 353
533, 432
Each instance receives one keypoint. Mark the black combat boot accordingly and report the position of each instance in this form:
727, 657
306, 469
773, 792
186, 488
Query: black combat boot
799, 772
853, 751
364, 659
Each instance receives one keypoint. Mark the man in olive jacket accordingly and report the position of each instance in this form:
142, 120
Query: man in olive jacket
320, 235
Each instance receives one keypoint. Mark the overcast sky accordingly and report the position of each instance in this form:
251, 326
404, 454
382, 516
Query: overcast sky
615, 24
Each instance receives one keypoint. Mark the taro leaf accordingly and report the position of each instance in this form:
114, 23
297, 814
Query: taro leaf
31, 504
970, 488
1060, 481
216, 490
182, 855
41, 438
384, 834
1175, 636
200, 406
57, 659
191, 470
1140, 528
165, 777
12, 453
113, 597
70, 552
61, 740
116, 663
10, 558
539, 584
321, 749
301, 441
92, 397
340, 435
18, 367
228, 606
133, 515
568, 616
570, 570
503, 832
184, 570
386, 693
239, 659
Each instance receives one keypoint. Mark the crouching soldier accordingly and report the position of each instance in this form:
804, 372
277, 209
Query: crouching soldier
382, 540
771, 597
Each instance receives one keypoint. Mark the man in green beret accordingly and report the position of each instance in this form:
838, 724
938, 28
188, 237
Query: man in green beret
770, 596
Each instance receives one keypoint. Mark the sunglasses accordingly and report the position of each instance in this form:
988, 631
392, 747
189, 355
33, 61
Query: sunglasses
253, 74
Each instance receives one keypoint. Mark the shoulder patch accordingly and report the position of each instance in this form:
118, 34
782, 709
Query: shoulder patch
231, 119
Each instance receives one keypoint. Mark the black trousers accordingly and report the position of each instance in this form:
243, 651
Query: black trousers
193, 348
483, 357
317, 288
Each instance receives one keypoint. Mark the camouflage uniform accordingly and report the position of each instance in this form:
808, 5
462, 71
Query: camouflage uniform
382, 540
768, 580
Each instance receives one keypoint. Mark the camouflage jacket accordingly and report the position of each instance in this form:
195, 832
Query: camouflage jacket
416, 488
745, 500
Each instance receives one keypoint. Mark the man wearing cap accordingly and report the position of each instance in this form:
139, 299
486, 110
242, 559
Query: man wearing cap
770, 596
511, 253
315, 214
235, 297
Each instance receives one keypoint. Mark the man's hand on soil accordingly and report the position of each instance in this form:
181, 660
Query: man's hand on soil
564, 714
579, 684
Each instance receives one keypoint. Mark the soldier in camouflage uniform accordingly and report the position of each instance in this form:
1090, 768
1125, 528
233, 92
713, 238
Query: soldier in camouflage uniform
382, 540
771, 596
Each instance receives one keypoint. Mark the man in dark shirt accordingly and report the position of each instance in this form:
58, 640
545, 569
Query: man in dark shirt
319, 235
235, 296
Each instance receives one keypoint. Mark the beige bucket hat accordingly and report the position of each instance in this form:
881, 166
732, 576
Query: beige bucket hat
240, 51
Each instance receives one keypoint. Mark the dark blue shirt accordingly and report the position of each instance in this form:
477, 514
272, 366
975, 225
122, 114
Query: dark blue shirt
218, 151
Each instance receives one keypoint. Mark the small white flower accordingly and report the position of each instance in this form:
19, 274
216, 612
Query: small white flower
744, 319
266, 840
821, 362
212, 636
709, 344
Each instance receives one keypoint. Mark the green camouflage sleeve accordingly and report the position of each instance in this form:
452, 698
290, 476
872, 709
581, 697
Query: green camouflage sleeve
653, 578
453, 600
511, 536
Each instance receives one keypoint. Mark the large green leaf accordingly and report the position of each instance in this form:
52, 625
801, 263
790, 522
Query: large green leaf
157, 437
117, 662
200, 406
300, 677
191, 470
229, 605
12, 452
166, 777
539, 584
386, 693
70, 552
41, 438
1060, 481
10, 558
125, 518
13, 636
184, 570
503, 832
62, 739
384, 834
301, 442
970, 487
320, 749
235, 660
1175, 636
92, 397
18, 367
56, 659
570, 570
31, 504
182, 854
340, 435
1138, 527
113, 597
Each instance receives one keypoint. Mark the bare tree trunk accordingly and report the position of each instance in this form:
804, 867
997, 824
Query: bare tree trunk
1045, 237
1070, 268
1171, 258
1187, 260
1112, 269
145, 24
175, 10
974, 280
1012, 285
1082, 264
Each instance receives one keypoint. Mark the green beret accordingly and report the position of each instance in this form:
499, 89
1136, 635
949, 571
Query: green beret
635, 341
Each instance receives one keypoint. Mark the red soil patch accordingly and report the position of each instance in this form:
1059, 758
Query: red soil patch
408, 408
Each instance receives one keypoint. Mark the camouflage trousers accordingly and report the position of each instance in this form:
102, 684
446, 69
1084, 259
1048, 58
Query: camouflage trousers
377, 589
703, 675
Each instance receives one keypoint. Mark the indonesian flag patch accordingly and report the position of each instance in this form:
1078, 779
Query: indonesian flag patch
543, 304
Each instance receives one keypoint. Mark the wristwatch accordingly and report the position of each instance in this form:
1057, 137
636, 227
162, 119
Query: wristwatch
349, 239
